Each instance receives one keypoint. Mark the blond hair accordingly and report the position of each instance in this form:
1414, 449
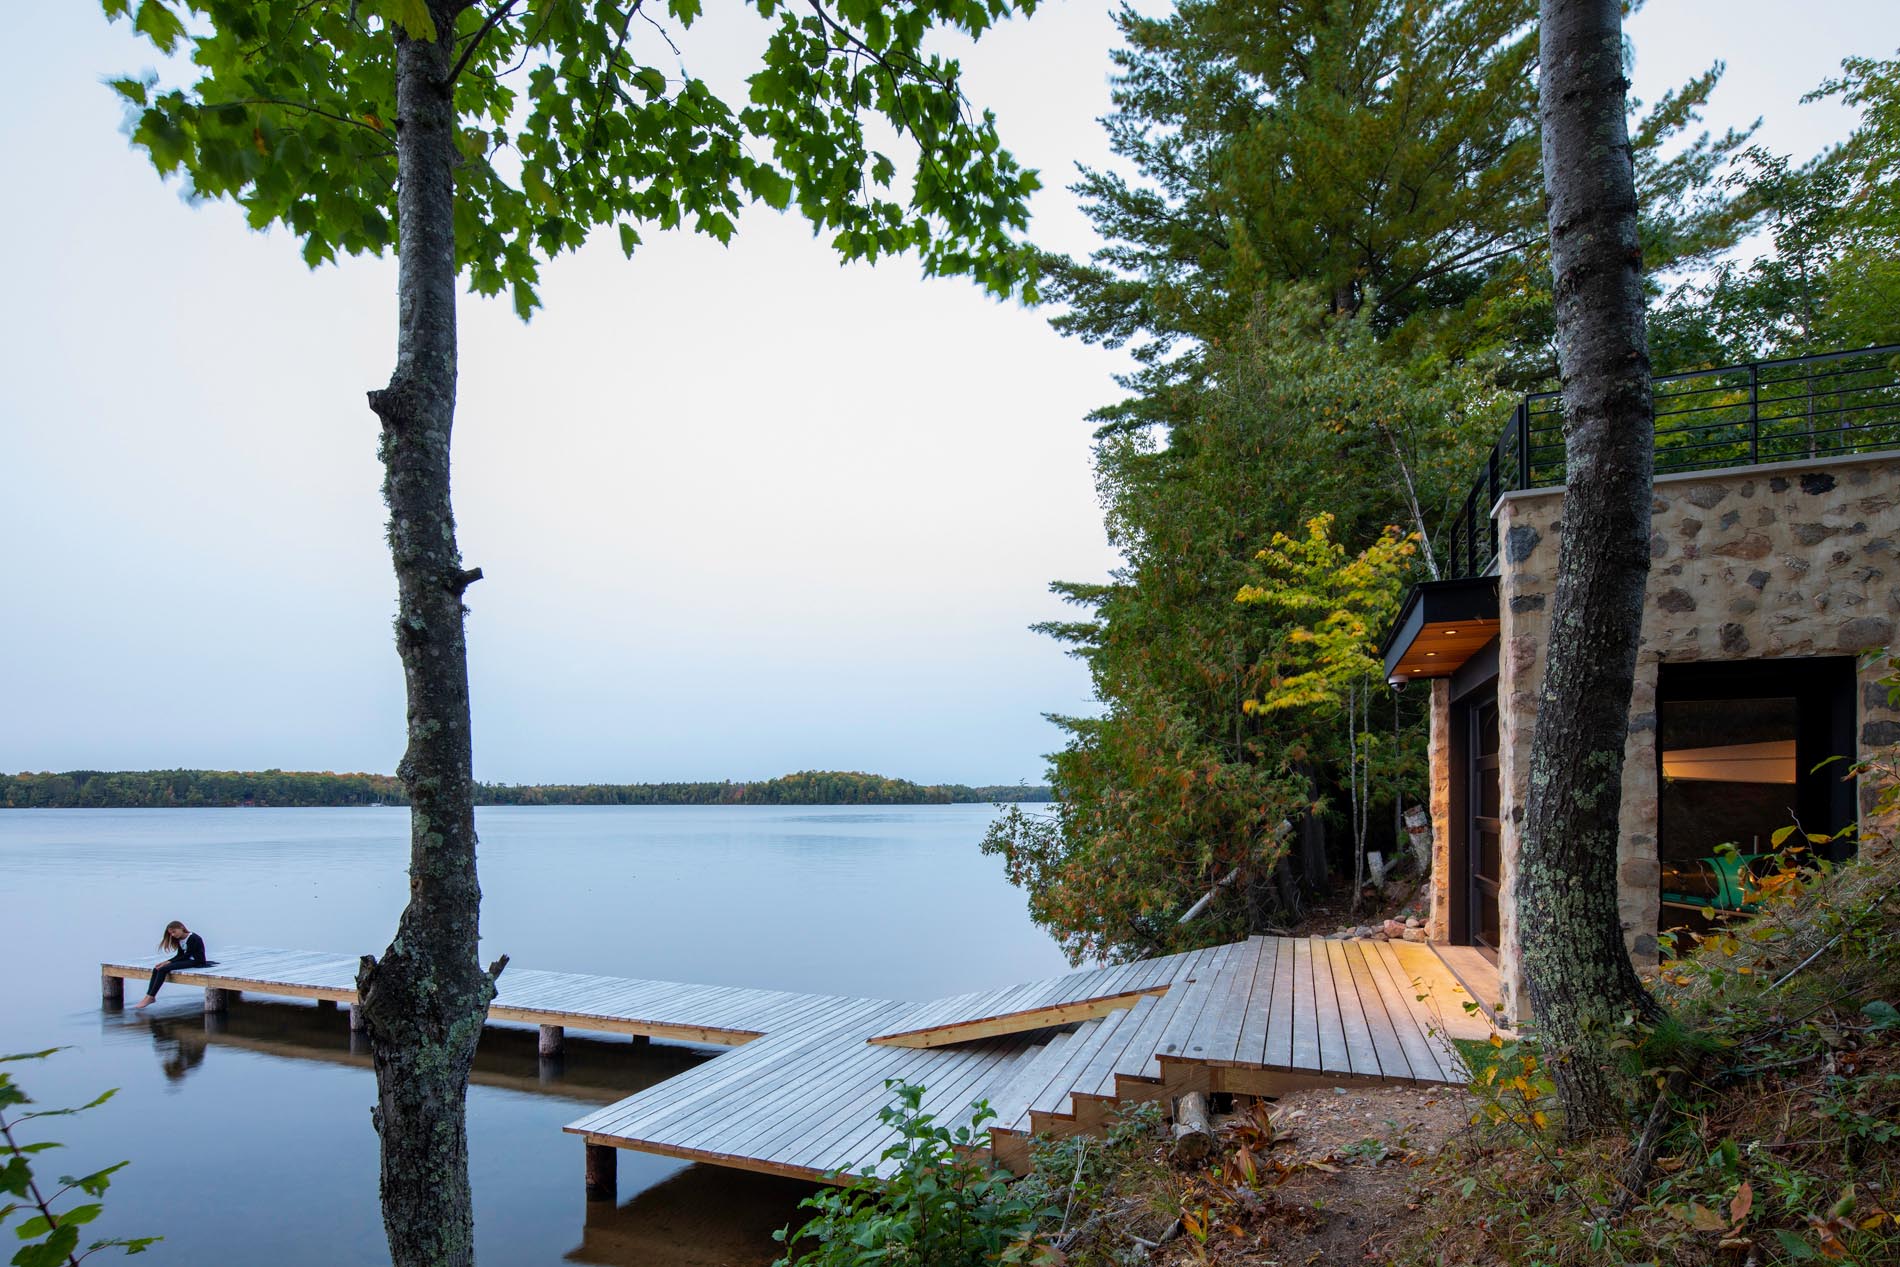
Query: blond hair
171, 942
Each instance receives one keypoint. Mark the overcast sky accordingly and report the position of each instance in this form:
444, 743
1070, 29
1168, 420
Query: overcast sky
741, 510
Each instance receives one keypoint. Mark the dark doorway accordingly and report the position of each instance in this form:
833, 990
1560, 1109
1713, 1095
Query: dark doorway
1482, 829
1741, 748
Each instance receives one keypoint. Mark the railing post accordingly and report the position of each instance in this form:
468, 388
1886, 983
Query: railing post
1754, 412
1523, 425
1471, 533
1491, 501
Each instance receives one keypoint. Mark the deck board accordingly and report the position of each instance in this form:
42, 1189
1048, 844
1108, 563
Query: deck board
1334, 1057
1393, 1062
1361, 1056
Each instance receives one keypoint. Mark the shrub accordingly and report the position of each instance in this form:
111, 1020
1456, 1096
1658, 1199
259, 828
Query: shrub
938, 1207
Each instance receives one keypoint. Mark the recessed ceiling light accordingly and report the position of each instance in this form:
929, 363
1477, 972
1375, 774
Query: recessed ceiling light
1431, 653
1451, 631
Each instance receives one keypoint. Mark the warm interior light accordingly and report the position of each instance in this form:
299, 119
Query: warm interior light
1770, 762
1449, 632
1431, 653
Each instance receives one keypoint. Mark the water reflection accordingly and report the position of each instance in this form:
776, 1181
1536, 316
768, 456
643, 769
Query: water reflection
703, 1216
592, 1070
181, 1048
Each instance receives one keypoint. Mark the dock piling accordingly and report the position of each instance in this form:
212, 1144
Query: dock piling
602, 1173
553, 1040
216, 1000
111, 990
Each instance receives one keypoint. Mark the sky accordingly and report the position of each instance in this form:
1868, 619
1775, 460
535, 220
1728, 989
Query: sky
740, 511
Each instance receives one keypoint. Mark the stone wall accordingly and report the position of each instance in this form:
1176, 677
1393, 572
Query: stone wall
1793, 559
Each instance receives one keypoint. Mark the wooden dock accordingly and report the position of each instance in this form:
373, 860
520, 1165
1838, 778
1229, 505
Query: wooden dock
799, 1093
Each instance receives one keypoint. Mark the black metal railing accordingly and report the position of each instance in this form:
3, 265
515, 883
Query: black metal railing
1832, 405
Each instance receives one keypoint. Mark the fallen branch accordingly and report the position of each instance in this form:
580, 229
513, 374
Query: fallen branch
1635, 1178
1081, 1156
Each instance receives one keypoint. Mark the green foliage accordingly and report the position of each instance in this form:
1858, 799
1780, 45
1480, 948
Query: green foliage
165, 789
1331, 612
51, 1233
575, 115
1385, 154
1830, 279
928, 1203
1177, 783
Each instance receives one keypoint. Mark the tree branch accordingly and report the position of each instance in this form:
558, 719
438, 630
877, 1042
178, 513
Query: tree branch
489, 23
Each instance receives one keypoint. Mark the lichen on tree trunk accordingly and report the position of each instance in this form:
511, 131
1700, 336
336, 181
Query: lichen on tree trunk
426, 998
1581, 983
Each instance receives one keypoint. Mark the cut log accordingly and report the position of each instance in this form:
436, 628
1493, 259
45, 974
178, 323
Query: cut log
112, 990
553, 1040
1193, 1132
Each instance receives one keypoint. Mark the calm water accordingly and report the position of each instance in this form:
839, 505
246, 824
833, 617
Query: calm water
253, 1144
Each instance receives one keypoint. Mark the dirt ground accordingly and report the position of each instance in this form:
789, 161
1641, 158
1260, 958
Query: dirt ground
1341, 1179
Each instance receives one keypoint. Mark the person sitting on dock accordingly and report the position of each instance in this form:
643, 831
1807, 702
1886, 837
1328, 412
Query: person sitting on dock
188, 951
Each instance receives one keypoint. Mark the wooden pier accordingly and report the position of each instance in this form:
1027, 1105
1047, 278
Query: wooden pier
799, 1093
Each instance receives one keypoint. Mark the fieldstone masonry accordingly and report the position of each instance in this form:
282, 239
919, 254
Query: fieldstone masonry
1790, 559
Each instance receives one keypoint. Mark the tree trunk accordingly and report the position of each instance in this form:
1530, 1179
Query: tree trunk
1581, 982
1312, 832
425, 1000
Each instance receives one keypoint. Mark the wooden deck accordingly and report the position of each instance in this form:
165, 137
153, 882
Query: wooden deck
720, 1015
799, 1095
1056, 1056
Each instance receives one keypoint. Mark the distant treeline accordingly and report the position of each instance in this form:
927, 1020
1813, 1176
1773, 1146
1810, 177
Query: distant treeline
162, 789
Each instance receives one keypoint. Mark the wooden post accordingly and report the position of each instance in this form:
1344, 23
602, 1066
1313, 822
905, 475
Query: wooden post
642, 1040
111, 990
358, 1024
602, 1173
326, 1005
215, 1001
1193, 1134
553, 1040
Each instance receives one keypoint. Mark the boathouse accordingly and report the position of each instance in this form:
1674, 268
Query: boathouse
1771, 603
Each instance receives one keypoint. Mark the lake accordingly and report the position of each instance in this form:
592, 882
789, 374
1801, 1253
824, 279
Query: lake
252, 1142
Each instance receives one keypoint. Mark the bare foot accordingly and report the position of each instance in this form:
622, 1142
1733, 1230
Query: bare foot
144, 1002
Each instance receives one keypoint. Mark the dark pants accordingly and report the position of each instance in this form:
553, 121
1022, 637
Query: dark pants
174, 964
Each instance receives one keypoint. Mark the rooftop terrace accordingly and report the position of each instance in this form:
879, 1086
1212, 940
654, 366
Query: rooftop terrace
1834, 405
